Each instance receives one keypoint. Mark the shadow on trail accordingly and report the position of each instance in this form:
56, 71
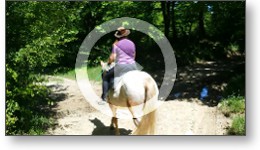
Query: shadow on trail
58, 93
190, 80
101, 129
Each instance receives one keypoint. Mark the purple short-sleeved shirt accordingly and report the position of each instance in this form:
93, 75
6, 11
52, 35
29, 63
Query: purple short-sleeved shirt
125, 51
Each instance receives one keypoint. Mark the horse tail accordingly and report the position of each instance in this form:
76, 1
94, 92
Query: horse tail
148, 121
147, 124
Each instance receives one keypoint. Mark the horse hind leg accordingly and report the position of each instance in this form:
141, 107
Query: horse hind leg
114, 120
135, 118
112, 126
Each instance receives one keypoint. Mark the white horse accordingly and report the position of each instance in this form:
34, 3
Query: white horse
137, 91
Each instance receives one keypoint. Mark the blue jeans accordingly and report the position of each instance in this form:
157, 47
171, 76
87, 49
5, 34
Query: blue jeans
108, 78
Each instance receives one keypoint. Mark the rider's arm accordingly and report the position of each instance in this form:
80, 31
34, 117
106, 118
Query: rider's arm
112, 58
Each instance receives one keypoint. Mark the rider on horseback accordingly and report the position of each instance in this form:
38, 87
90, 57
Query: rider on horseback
123, 53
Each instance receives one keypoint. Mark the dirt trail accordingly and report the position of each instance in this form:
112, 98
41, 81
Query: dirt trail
75, 116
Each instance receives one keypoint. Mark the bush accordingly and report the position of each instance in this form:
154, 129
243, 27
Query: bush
233, 104
26, 104
238, 126
37, 34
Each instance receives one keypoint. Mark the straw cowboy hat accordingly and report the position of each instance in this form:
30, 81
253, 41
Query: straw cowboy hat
122, 32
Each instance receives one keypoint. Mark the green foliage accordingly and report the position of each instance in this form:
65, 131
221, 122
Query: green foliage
41, 30
233, 105
238, 126
11, 104
39, 125
26, 105
37, 33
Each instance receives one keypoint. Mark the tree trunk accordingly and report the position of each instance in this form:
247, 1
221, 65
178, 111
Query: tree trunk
166, 17
201, 20
174, 31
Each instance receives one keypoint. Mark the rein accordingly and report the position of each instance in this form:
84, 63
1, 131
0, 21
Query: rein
99, 75
103, 70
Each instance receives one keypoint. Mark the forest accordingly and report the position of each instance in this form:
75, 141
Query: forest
43, 38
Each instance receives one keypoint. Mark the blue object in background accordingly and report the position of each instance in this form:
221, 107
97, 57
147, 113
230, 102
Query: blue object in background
204, 93
176, 95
